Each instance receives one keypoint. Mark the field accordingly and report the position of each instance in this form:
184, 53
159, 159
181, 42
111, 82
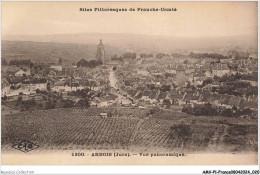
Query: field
128, 128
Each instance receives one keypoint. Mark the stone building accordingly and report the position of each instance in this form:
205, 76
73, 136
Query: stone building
101, 52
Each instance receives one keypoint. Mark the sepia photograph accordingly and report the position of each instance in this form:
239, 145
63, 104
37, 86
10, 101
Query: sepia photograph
129, 83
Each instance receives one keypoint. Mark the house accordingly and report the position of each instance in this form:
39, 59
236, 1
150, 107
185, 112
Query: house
190, 98
220, 69
52, 74
146, 95
175, 97
153, 95
248, 104
161, 97
76, 86
57, 68
224, 101
143, 72
61, 86
93, 85
107, 100
234, 101
103, 115
22, 72
39, 83
131, 93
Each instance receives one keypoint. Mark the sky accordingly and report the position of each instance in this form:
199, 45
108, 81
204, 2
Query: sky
192, 19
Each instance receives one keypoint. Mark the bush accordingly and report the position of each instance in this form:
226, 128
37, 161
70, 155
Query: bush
154, 110
227, 113
19, 99
68, 103
4, 98
181, 131
83, 103
51, 104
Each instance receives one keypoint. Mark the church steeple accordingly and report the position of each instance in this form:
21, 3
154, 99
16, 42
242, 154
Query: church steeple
100, 52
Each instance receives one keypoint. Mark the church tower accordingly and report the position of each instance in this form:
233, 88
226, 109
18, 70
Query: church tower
101, 52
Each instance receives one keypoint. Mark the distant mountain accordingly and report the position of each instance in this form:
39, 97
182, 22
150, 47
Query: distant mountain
145, 43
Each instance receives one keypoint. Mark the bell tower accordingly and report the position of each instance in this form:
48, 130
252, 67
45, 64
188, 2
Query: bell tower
101, 52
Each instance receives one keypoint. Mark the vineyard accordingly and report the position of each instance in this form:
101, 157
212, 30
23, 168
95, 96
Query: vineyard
128, 128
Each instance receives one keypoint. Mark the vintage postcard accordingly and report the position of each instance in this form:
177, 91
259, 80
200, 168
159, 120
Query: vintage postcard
129, 83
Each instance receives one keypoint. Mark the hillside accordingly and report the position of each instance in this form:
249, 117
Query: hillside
128, 128
148, 43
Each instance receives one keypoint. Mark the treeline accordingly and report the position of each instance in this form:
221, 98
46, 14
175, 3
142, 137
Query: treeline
237, 88
207, 55
22, 62
146, 55
4, 62
161, 55
131, 55
177, 55
210, 110
127, 55
238, 54
228, 78
115, 57
90, 64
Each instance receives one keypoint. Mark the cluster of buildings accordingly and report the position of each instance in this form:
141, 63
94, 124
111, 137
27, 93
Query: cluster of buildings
53, 77
174, 81
142, 82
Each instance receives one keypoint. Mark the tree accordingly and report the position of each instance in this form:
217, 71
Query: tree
4, 98
227, 113
129, 55
167, 102
90, 64
160, 55
19, 99
154, 110
4, 62
114, 57
60, 61
144, 55
165, 88
83, 103
182, 132
67, 103
50, 104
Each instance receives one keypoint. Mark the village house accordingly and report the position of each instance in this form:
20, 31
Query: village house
220, 70
56, 67
22, 72
106, 100
61, 86
175, 97
161, 97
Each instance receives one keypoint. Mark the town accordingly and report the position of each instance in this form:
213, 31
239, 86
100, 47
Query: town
227, 85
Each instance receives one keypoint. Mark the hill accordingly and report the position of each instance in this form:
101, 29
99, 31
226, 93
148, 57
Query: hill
148, 43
